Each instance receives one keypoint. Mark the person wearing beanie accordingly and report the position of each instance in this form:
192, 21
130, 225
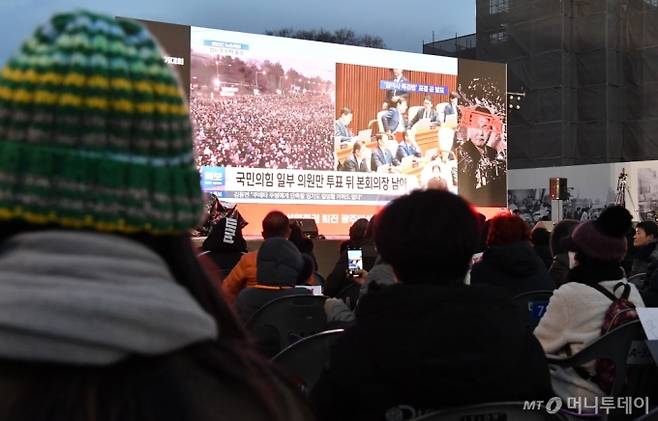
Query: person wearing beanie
429, 341
280, 268
576, 311
106, 313
225, 245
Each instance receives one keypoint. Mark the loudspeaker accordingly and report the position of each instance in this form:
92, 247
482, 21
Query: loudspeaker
557, 188
308, 226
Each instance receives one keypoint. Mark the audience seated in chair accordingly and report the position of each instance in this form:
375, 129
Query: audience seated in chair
509, 262
559, 268
576, 311
275, 225
540, 238
645, 261
280, 268
360, 234
430, 341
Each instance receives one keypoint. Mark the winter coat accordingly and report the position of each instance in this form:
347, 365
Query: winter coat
429, 347
514, 267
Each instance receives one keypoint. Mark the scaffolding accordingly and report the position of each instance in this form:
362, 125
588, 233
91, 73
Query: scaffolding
590, 72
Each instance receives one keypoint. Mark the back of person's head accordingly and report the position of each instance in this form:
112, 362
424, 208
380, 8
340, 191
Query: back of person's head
96, 146
650, 228
280, 263
540, 236
297, 237
358, 230
225, 236
276, 224
603, 239
427, 237
506, 228
562, 231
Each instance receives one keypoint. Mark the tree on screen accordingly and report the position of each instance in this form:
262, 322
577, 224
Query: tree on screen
339, 36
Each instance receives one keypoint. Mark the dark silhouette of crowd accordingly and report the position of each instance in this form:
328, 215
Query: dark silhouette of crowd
292, 131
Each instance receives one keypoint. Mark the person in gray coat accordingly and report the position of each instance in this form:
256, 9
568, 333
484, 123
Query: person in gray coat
280, 267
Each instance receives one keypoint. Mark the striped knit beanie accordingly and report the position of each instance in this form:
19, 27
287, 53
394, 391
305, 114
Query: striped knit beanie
94, 132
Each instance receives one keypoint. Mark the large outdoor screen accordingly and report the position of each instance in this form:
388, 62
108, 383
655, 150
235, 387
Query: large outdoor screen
334, 132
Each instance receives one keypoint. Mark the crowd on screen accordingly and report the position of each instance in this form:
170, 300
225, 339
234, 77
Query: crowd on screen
264, 131
111, 312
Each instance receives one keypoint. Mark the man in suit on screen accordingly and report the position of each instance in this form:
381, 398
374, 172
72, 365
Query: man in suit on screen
427, 112
399, 91
393, 120
382, 156
341, 131
355, 162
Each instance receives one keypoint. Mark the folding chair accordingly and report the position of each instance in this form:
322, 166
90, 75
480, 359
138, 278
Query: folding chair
286, 320
536, 302
308, 357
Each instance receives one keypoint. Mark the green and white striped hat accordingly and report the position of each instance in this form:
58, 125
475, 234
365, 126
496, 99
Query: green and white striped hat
94, 131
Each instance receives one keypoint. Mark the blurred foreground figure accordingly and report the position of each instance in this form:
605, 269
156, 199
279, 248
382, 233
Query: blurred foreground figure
106, 314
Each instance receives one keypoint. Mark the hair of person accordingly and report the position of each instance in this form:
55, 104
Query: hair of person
649, 228
356, 147
345, 111
297, 237
231, 357
561, 231
358, 230
427, 98
507, 228
453, 95
395, 101
370, 231
276, 224
540, 236
428, 236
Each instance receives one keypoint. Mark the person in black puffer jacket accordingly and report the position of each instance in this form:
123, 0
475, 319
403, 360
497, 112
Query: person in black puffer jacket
644, 241
540, 237
510, 262
429, 342
645, 262
559, 269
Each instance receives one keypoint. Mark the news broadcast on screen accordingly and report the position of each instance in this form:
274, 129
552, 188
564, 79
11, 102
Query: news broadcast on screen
334, 132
